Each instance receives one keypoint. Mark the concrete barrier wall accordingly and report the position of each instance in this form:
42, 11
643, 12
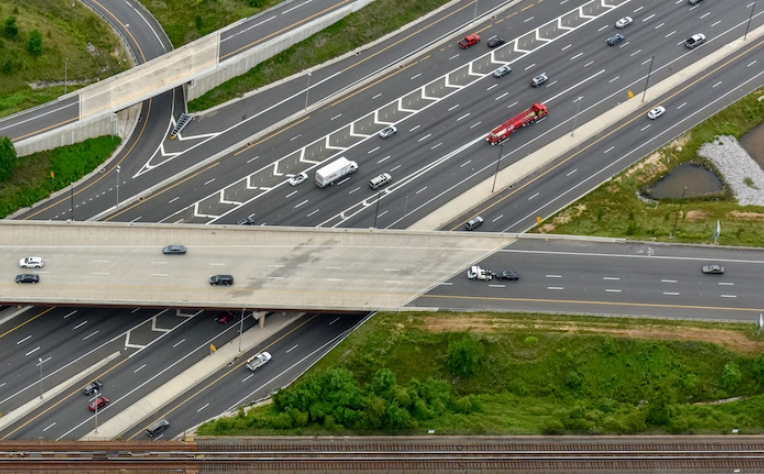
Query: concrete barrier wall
121, 124
245, 61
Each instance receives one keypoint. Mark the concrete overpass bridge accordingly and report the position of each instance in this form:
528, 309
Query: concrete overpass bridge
274, 268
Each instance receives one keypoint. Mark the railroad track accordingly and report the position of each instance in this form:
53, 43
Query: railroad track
391, 454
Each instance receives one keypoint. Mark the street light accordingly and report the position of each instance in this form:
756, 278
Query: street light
95, 401
241, 326
376, 213
474, 15
118, 170
40, 359
745, 37
496, 173
307, 91
575, 119
648, 78
66, 68
71, 193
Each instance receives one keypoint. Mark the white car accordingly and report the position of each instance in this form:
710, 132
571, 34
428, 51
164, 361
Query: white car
298, 178
624, 22
656, 112
31, 262
388, 131
502, 71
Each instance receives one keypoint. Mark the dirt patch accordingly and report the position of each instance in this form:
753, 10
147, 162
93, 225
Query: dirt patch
652, 163
728, 339
694, 216
748, 216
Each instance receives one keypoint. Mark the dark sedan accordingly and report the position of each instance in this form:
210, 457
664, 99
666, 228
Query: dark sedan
27, 278
174, 250
508, 275
495, 41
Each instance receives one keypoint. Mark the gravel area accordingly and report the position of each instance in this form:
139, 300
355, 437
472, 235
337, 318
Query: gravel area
736, 165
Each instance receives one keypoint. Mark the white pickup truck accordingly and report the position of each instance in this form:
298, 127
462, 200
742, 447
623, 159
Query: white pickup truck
695, 40
257, 361
477, 273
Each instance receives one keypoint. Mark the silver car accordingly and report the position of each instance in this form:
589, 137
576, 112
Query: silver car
624, 22
502, 71
388, 131
31, 262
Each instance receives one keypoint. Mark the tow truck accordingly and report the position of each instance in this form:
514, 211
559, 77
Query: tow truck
477, 273
502, 132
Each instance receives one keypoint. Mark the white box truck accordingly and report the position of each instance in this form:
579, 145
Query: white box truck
335, 170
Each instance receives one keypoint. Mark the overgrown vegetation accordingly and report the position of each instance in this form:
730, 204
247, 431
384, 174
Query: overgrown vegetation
530, 374
38, 37
187, 20
32, 180
357, 29
615, 210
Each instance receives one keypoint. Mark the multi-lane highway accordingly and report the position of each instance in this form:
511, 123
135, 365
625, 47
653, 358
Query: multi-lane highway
443, 102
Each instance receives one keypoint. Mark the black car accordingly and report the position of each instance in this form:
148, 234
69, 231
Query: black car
508, 275
174, 250
27, 278
246, 221
221, 280
615, 39
91, 388
495, 41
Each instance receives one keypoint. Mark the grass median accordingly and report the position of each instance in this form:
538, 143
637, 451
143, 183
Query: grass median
511, 374
357, 29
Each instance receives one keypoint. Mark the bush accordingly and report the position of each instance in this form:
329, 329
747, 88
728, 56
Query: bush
464, 357
11, 29
8, 159
34, 43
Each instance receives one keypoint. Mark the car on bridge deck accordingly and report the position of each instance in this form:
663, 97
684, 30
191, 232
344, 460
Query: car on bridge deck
27, 278
469, 40
221, 280
31, 262
92, 387
174, 250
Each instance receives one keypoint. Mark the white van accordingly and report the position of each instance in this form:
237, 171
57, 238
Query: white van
380, 181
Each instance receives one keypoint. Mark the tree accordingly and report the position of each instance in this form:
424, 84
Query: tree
464, 356
11, 29
34, 44
8, 159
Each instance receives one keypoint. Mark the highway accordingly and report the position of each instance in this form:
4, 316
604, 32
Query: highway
438, 153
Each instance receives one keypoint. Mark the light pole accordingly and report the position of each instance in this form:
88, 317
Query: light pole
753, 7
575, 119
677, 214
72, 200
40, 359
307, 91
66, 68
95, 401
241, 326
118, 170
496, 173
474, 15
376, 213
648, 77
405, 205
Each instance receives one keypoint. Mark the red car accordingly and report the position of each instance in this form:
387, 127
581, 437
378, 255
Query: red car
226, 317
468, 41
98, 403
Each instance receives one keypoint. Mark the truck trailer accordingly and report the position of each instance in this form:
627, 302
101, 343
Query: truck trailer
335, 170
503, 131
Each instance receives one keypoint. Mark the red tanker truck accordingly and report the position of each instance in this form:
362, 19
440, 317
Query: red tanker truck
503, 131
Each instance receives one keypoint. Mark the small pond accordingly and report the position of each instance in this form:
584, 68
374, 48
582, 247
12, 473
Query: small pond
698, 180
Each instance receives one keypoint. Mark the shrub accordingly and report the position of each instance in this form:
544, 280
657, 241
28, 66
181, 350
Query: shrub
34, 43
464, 356
8, 159
11, 29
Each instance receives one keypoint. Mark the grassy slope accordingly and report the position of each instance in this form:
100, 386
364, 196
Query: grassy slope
66, 33
613, 209
558, 374
187, 20
362, 27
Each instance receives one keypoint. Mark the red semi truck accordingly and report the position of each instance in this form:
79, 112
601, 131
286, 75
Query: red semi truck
503, 131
